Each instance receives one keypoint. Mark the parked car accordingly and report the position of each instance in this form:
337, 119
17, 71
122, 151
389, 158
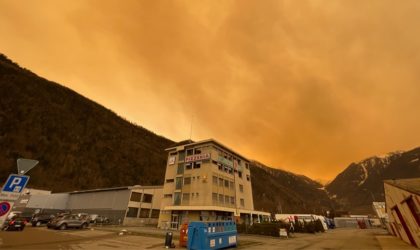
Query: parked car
39, 219
68, 221
93, 218
101, 220
15, 224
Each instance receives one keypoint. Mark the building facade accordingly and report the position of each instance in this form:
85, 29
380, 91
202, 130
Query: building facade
129, 205
402, 199
206, 180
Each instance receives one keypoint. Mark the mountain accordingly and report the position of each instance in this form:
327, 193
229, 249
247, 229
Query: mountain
277, 191
361, 183
79, 143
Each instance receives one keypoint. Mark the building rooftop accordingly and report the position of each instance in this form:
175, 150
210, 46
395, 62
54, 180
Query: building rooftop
411, 185
192, 143
115, 189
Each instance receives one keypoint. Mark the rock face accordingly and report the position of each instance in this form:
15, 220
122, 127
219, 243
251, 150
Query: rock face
361, 183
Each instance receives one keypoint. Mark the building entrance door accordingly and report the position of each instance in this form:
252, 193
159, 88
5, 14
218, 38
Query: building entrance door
174, 221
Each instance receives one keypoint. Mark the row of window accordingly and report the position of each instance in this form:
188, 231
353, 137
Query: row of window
179, 181
230, 170
220, 199
195, 151
226, 183
139, 197
133, 212
223, 183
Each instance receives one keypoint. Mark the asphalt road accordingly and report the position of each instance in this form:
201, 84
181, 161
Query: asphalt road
149, 238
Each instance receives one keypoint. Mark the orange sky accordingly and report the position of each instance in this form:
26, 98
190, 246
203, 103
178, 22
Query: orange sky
307, 86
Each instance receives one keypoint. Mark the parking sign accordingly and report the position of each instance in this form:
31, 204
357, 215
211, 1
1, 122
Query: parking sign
15, 183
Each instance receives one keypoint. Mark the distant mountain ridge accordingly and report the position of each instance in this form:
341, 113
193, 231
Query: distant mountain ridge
280, 191
361, 183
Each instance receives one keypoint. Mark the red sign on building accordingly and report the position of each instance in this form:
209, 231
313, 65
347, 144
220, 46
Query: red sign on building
199, 157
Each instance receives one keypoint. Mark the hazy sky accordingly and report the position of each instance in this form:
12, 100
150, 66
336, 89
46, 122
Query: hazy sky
307, 86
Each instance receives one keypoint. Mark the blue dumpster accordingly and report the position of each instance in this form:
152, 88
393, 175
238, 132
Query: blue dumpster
211, 235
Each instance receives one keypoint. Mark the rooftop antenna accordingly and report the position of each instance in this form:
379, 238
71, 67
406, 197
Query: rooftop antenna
191, 128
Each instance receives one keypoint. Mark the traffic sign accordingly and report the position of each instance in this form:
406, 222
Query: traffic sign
24, 165
15, 183
5, 208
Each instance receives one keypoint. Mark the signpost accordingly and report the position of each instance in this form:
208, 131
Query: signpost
13, 187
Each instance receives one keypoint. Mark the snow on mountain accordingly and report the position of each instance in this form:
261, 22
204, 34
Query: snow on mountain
362, 182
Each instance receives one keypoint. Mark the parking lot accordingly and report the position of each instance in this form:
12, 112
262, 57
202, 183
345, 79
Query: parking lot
150, 238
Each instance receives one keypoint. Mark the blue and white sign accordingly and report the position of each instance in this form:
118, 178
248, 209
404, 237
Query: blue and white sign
15, 183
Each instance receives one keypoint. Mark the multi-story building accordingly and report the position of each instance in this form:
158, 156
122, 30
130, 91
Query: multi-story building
206, 180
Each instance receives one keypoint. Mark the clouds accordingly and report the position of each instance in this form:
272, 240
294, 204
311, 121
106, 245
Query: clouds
308, 86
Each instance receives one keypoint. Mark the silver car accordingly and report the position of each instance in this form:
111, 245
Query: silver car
68, 221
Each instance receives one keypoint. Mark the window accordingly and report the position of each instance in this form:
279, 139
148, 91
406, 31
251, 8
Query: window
242, 202
186, 198
246, 165
167, 196
197, 151
177, 198
230, 170
240, 174
169, 180
135, 196
197, 165
181, 155
214, 197
227, 199
221, 182
147, 198
190, 151
241, 188
221, 199
180, 169
226, 184
232, 200
144, 213
215, 180
196, 195
178, 183
232, 185
248, 178
155, 213
187, 180
188, 165
220, 166
132, 212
